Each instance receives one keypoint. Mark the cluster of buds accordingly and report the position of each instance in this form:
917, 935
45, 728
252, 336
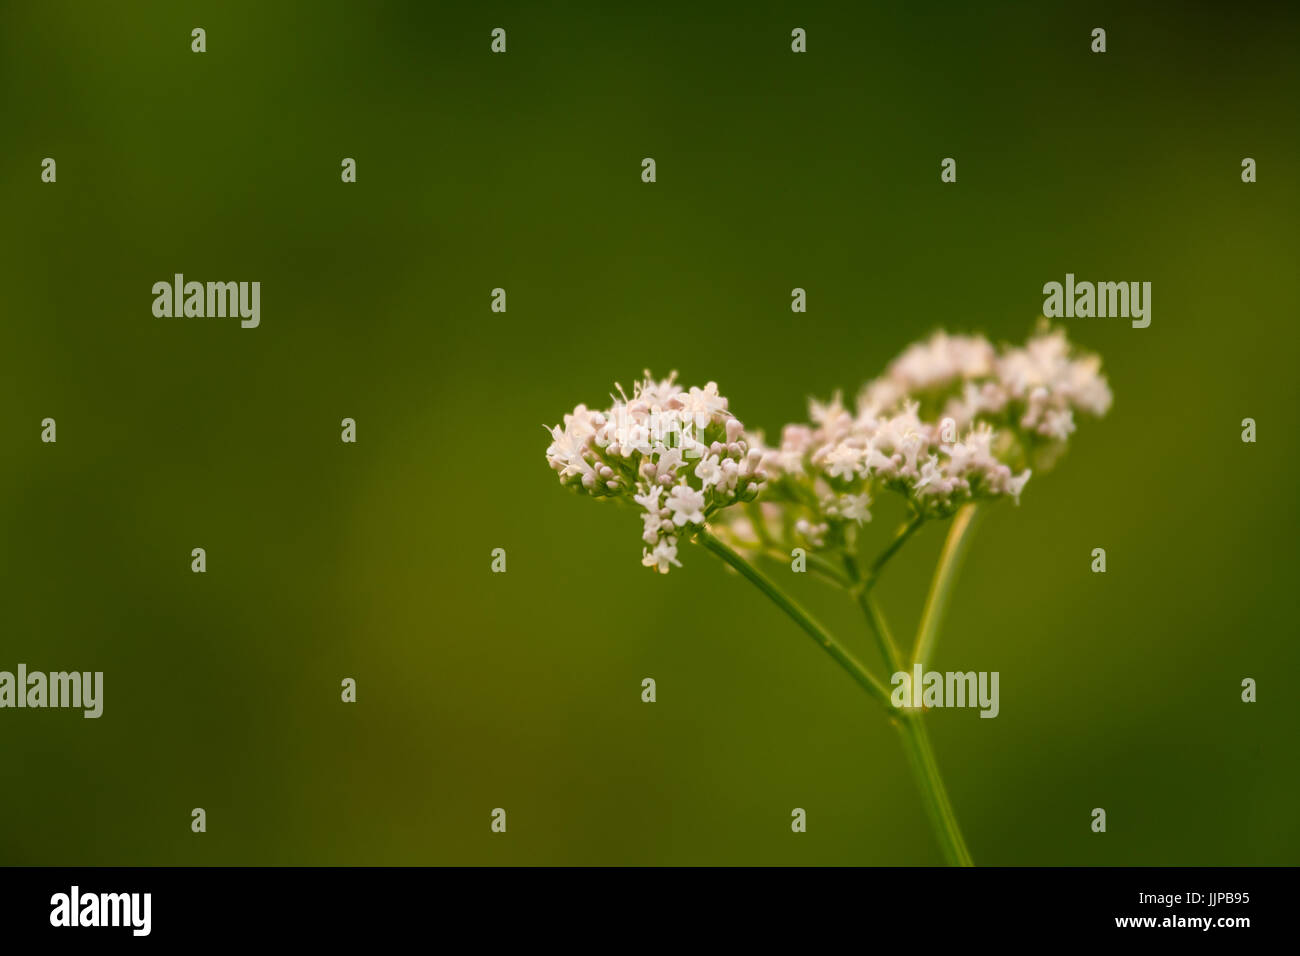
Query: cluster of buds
678, 454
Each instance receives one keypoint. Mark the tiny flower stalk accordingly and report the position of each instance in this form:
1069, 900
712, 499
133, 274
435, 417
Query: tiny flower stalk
953, 424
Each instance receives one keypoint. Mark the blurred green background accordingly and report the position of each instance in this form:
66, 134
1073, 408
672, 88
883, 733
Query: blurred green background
522, 691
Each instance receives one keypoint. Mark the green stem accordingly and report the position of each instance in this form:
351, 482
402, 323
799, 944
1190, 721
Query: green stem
862, 592
926, 770
888, 648
936, 604
801, 617
917, 742
920, 754
899, 540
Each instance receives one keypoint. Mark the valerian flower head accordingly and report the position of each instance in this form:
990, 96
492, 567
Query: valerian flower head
953, 419
677, 454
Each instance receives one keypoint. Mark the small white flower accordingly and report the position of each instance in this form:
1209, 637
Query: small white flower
670, 460
879, 463
709, 471
663, 555
649, 500
1058, 423
814, 533
686, 504
934, 481
843, 461
1017, 484
730, 475
702, 404
854, 507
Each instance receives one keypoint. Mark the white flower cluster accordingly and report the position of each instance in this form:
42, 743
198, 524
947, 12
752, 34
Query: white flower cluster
952, 419
1036, 389
677, 453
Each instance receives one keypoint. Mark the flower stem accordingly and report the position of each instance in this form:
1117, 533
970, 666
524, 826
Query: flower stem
936, 604
926, 770
920, 755
916, 741
862, 592
801, 617
888, 648
900, 539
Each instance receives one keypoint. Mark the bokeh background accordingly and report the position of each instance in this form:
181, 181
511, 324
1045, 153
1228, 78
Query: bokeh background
522, 691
